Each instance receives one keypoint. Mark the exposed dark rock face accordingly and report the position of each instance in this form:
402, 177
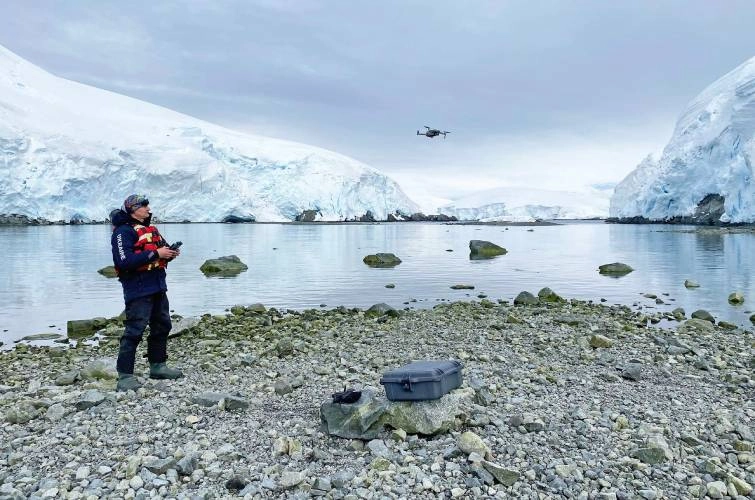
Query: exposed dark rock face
21, 220
77, 219
708, 213
368, 217
308, 216
420, 217
235, 219
710, 209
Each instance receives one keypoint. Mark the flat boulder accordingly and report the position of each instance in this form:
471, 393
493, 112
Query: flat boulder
615, 269
221, 399
90, 399
696, 325
368, 416
78, 328
703, 315
42, 336
227, 266
485, 249
428, 417
462, 287
381, 260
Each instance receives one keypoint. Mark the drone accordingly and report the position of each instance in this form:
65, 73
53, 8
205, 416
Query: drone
433, 132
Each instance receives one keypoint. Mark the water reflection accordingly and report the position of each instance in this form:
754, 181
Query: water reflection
301, 266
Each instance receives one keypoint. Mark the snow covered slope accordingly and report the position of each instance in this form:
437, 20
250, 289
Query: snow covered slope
69, 150
709, 159
525, 204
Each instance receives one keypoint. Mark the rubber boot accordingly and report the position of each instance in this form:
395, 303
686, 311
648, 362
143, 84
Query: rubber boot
163, 371
127, 382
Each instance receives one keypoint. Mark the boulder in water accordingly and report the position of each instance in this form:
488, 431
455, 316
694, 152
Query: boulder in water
485, 249
381, 260
615, 269
227, 266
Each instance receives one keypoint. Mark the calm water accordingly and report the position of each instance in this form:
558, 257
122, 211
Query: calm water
49, 274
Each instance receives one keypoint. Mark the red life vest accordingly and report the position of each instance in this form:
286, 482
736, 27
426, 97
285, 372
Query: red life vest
149, 240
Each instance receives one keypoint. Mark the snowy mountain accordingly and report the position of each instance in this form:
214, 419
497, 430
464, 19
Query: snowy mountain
705, 174
525, 204
71, 151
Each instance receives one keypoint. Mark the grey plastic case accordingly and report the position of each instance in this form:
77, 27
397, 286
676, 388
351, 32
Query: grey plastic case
422, 380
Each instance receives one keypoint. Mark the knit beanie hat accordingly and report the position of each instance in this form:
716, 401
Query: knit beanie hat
133, 202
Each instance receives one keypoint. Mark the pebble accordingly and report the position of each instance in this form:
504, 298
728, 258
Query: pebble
552, 415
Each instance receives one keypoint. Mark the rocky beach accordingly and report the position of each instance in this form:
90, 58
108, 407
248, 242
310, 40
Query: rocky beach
561, 398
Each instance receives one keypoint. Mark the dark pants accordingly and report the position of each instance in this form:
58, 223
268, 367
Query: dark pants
155, 311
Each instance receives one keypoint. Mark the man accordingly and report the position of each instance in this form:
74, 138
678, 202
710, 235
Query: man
140, 256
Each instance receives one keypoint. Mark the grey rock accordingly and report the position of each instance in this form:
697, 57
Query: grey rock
615, 269
736, 298
381, 260
227, 401
632, 371
20, 414
288, 479
381, 309
100, 369
365, 418
186, 465
482, 248
548, 295
360, 420
703, 315
55, 412
90, 399
650, 456
378, 448
485, 476
226, 266
161, 465
283, 386
428, 417
526, 299
67, 378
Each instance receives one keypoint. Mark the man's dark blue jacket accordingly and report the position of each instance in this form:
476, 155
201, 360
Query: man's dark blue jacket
135, 283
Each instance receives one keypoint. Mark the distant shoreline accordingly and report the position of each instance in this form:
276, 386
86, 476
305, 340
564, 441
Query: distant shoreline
22, 221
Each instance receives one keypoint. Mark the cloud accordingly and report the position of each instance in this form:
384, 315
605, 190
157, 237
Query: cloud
545, 93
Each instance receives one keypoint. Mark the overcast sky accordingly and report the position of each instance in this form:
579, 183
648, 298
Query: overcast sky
546, 94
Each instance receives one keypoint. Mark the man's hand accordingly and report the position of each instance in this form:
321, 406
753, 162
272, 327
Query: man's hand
166, 253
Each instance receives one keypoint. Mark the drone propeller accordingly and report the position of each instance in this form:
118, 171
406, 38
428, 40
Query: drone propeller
428, 128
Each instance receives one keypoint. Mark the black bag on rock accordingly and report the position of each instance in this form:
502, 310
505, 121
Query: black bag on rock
347, 396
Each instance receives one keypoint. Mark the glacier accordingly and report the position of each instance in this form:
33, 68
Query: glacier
521, 204
72, 152
705, 173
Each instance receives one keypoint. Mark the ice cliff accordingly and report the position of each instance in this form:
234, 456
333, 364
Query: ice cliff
705, 173
71, 151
